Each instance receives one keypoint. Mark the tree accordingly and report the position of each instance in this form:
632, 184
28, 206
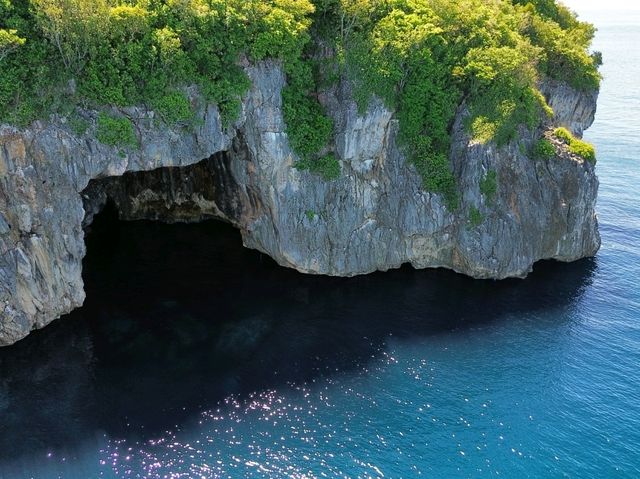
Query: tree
5, 9
9, 42
74, 27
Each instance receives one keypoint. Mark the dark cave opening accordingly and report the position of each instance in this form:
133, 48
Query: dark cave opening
192, 193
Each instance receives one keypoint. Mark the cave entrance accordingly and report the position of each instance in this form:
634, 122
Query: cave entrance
166, 315
160, 241
193, 193
152, 271
159, 244
165, 268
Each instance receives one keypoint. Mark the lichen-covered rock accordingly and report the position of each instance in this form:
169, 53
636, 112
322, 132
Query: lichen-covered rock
376, 216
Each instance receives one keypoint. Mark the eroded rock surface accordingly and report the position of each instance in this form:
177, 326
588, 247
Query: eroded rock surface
376, 216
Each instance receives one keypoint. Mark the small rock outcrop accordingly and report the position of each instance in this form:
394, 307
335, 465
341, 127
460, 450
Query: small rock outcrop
376, 216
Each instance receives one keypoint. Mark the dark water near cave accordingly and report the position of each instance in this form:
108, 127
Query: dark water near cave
196, 358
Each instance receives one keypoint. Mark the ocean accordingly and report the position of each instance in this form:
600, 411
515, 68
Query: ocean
196, 358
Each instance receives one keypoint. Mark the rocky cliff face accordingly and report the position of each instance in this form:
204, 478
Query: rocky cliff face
376, 216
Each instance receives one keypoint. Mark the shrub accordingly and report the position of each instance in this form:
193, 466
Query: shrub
115, 131
327, 166
78, 125
576, 146
502, 82
9, 42
489, 185
565, 42
476, 218
308, 128
437, 177
583, 149
544, 150
28, 80
564, 135
174, 107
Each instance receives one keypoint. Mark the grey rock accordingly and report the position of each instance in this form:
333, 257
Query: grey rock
4, 226
376, 216
572, 109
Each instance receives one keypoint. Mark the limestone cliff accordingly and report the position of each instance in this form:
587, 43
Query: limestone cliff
376, 216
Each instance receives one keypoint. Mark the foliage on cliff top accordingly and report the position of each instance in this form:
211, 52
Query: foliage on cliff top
422, 57
126, 53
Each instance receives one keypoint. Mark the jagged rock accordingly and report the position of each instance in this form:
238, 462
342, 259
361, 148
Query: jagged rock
376, 216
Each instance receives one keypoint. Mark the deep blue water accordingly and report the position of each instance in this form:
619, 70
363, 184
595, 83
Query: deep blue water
195, 358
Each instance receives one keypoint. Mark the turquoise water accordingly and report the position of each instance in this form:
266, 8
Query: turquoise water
255, 371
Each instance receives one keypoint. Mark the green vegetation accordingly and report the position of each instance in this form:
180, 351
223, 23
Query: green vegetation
308, 128
9, 42
564, 43
310, 214
78, 125
489, 185
577, 147
423, 58
544, 150
174, 107
563, 134
128, 53
327, 166
583, 149
475, 217
115, 131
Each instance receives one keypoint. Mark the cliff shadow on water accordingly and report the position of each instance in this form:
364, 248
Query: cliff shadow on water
180, 316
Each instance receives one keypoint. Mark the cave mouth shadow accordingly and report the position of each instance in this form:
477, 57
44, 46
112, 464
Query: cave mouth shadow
180, 316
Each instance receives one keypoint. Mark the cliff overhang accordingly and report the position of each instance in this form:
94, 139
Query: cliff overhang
375, 216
